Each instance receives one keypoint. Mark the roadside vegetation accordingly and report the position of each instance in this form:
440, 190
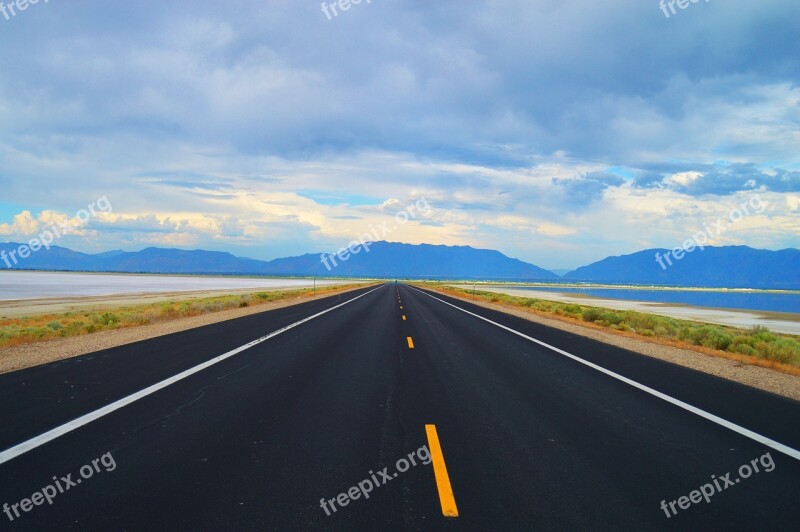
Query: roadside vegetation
758, 345
25, 330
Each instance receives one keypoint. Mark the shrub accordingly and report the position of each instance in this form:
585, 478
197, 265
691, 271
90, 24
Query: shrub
72, 328
782, 350
639, 320
612, 317
591, 314
56, 326
760, 333
721, 341
105, 319
742, 340
744, 349
212, 307
135, 319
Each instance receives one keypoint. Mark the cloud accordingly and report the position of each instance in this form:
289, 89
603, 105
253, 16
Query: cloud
267, 129
720, 179
584, 189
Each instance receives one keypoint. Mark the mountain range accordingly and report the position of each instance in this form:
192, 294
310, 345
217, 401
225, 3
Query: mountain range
729, 266
384, 259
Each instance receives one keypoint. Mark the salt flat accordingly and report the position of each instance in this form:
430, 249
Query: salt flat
16, 285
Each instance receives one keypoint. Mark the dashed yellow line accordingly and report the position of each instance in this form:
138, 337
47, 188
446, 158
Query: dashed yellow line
446, 498
410, 342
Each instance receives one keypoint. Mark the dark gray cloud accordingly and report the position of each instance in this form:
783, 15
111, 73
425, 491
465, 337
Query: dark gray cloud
719, 179
586, 188
454, 81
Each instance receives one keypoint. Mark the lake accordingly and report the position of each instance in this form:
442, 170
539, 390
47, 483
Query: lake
36, 285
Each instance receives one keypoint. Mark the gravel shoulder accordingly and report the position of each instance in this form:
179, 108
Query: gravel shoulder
29, 355
757, 377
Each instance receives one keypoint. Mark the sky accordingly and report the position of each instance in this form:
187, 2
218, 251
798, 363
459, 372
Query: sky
559, 132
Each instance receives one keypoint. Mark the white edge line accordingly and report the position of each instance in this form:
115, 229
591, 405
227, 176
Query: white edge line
50, 435
785, 449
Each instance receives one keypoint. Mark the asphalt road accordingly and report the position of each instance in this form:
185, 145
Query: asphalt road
529, 438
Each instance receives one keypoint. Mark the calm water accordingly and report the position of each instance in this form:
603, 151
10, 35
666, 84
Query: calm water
34, 285
728, 300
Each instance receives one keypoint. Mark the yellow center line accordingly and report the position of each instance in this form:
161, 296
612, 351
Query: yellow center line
410, 342
446, 498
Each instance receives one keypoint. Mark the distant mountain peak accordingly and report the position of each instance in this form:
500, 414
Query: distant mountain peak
727, 266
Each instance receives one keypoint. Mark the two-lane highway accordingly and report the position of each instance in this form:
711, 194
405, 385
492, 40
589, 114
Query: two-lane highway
233, 427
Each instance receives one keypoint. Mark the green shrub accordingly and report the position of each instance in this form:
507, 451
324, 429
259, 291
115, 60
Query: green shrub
612, 318
742, 340
760, 333
105, 319
591, 314
744, 349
